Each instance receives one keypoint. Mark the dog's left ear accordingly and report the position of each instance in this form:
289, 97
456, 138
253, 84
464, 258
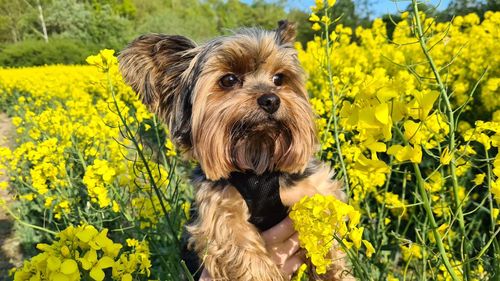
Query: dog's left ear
154, 65
286, 32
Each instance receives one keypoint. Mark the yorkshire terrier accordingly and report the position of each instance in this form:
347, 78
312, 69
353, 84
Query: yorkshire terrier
239, 107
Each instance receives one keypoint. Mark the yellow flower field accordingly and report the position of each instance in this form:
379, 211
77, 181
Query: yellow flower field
75, 166
411, 124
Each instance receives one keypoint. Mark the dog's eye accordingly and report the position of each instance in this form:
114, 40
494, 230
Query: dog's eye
228, 81
278, 79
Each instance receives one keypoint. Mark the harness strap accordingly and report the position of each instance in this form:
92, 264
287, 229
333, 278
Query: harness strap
262, 196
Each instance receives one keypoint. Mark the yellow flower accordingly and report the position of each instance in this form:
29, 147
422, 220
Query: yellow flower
80, 251
495, 213
326, 20
369, 248
405, 153
479, 179
412, 252
97, 272
356, 236
116, 207
300, 273
28, 197
87, 233
422, 104
319, 4
132, 242
104, 60
316, 26
391, 277
445, 157
69, 267
313, 18
317, 219
495, 190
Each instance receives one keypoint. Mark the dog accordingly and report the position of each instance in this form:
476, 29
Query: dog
238, 106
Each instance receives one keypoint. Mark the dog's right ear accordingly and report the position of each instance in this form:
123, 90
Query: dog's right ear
153, 65
286, 32
154, 61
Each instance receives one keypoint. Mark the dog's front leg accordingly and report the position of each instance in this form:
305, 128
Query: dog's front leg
230, 247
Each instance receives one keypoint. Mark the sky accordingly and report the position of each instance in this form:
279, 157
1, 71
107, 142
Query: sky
378, 7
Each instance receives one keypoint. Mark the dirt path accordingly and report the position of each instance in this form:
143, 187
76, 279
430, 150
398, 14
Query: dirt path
10, 254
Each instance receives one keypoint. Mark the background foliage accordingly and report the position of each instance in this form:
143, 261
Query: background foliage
86, 26
408, 114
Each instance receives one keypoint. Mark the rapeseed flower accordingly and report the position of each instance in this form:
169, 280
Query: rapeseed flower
83, 250
321, 221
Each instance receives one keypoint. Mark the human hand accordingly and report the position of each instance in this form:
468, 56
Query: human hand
282, 243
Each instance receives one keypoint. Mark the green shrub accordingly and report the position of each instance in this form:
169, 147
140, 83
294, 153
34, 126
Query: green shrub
35, 52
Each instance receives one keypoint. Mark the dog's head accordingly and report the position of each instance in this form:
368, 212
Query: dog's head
236, 103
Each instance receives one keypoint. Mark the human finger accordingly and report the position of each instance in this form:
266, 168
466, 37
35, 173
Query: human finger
279, 232
293, 263
281, 252
292, 244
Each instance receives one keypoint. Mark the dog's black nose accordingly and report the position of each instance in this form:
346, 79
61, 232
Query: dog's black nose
269, 102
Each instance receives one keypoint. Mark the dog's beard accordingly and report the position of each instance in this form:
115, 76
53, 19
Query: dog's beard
259, 147
231, 134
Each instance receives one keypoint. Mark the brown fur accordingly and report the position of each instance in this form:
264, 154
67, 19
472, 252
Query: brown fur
232, 248
319, 182
223, 139
226, 130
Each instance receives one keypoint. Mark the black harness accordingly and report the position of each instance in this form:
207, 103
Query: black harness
262, 195
260, 192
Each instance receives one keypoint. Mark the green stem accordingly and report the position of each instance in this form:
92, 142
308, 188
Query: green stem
142, 157
451, 122
494, 239
449, 110
334, 109
430, 216
19, 220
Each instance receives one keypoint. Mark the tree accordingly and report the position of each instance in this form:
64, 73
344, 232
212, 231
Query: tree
122, 8
190, 18
265, 14
145, 9
11, 15
345, 11
234, 14
304, 31
36, 6
464, 7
